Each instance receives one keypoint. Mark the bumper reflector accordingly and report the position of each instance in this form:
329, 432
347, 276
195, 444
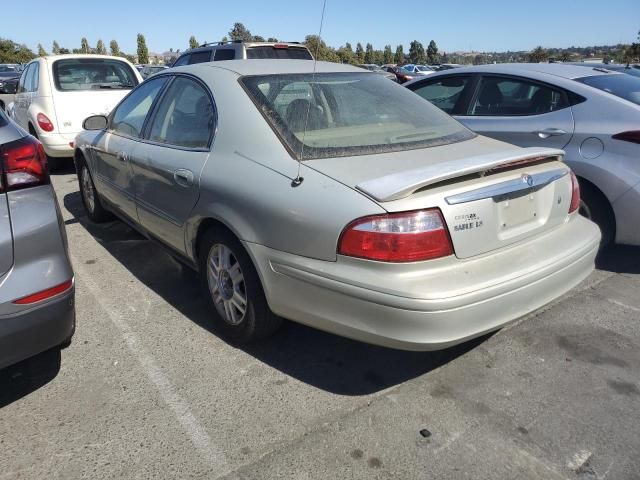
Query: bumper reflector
45, 294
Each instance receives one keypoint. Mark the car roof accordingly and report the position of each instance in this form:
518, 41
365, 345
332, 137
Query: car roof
556, 69
269, 67
82, 55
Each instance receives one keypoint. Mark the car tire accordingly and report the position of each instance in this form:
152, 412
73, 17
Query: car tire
90, 198
233, 289
595, 207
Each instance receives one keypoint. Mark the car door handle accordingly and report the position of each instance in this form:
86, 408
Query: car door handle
549, 132
122, 156
183, 177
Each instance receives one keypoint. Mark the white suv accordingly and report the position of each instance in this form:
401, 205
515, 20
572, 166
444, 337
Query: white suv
56, 93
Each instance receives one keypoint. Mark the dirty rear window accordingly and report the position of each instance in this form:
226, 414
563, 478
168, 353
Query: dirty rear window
93, 74
623, 86
344, 114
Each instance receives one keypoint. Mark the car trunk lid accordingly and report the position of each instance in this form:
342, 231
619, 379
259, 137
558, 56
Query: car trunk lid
489, 200
73, 107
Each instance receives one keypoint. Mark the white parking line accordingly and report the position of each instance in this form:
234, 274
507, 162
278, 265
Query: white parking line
624, 305
210, 453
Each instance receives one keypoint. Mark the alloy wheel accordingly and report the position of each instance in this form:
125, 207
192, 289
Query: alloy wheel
87, 189
226, 284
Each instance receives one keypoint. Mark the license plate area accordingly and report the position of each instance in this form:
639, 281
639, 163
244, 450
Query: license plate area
516, 213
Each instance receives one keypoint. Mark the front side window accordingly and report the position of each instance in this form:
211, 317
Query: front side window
621, 85
25, 79
445, 93
501, 96
343, 114
200, 57
93, 74
183, 60
184, 117
128, 117
32, 85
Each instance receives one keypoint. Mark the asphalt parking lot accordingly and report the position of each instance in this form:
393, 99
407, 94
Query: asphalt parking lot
148, 390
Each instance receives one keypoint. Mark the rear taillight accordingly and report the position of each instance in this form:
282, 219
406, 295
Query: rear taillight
44, 123
632, 136
281, 45
397, 237
45, 294
575, 194
23, 163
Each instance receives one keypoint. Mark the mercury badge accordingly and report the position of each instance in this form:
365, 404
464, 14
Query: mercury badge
528, 179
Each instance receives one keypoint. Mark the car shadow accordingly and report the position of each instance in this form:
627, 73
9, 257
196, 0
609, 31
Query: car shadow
328, 362
19, 380
619, 259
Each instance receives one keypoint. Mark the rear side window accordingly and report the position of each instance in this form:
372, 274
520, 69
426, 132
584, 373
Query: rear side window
446, 93
502, 96
622, 85
184, 117
224, 54
200, 57
268, 51
183, 60
93, 74
128, 117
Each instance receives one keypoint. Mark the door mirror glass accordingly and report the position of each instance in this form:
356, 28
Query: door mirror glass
95, 122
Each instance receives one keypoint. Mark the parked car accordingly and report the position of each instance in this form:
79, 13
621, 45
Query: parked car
149, 70
336, 199
36, 279
372, 67
592, 114
56, 93
8, 87
613, 67
402, 75
418, 70
237, 50
9, 70
448, 66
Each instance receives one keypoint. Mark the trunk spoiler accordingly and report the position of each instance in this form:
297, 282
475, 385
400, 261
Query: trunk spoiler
402, 184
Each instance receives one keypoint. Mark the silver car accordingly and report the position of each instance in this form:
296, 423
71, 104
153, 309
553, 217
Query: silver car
591, 113
36, 279
335, 199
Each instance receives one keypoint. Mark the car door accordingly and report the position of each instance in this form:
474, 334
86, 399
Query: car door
23, 96
167, 168
120, 143
520, 111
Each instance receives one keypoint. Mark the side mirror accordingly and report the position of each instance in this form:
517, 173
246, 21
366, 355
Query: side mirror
95, 122
8, 88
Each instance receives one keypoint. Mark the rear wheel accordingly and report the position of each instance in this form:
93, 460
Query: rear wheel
90, 199
233, 289
595, 207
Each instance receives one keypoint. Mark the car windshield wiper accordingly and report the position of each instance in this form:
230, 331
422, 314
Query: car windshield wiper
112, 85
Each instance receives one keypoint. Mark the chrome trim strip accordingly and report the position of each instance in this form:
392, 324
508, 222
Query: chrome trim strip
517, 185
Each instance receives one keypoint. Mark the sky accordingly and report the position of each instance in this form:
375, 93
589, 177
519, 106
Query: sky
454, 24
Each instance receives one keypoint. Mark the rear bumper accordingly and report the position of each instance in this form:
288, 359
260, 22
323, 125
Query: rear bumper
57, 144
28, 333
430, 305
628, 217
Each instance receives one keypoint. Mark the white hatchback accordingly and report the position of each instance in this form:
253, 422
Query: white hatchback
56, 93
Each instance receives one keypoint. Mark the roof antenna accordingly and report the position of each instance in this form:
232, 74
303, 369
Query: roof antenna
298, 180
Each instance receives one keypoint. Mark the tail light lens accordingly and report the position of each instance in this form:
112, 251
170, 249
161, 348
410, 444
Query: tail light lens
45, 294
23, 163
44, 122
397, 237
632, 136
575, 194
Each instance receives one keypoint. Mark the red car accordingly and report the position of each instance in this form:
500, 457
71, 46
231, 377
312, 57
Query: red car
401, 74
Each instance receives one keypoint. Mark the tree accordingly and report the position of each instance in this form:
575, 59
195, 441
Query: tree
240, 32
416, 52
399, 56
346, 54
193, 43
272, 39
359, 53
564, 57
369, 55
115, 49
11, 52
538, 55
55, 49
84, 46
258, 38
319, 49
143, 51
64, 51
387, 56
41, 51
100, 48
432, 52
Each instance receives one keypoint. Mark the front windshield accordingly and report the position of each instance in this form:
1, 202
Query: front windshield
623, 86
8, 68
93, 74
422, 68
343, 114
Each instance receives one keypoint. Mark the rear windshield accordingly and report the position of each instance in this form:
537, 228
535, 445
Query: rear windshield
349, 114
93, 74
623, 86
292, 53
